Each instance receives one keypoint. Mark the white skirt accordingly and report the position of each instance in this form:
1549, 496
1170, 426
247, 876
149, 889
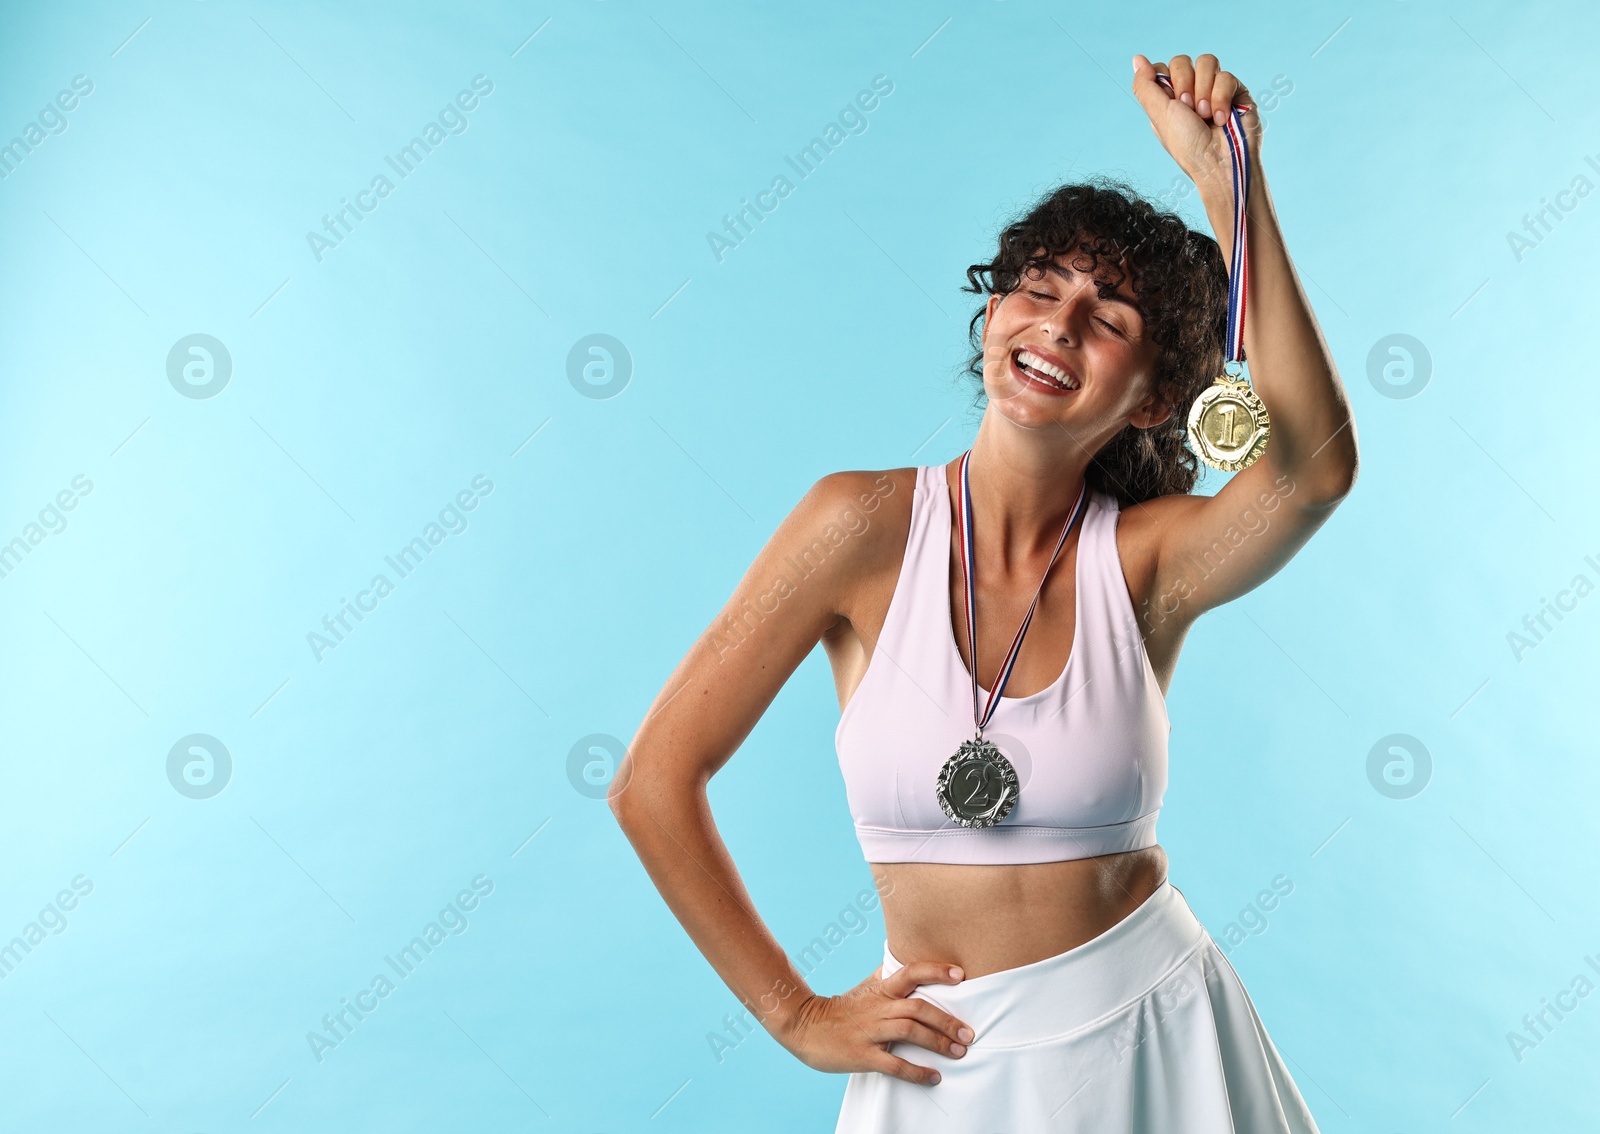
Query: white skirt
1145, 1028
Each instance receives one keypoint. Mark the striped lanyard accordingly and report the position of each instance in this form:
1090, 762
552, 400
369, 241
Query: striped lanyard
1239, 278
968, 565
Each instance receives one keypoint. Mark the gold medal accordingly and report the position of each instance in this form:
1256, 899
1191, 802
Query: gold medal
1228, 424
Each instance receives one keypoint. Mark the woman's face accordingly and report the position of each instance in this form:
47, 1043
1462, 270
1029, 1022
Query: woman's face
1054, 352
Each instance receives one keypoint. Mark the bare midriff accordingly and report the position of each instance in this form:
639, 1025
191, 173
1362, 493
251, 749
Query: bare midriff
989, 918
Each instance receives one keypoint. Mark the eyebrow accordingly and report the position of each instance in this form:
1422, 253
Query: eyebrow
1114, 297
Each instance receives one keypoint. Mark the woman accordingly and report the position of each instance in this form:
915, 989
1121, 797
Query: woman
1040, 971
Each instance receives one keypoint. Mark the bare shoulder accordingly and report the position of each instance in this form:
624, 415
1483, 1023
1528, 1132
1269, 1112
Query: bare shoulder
875, 496
872, 511
1140, 528
833, 547
1186, 554
868, 488
858, 520
815, 573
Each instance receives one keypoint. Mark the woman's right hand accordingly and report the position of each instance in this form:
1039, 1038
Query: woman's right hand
852, 1031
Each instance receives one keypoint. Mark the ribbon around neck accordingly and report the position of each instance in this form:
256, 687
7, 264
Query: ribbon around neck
968, 574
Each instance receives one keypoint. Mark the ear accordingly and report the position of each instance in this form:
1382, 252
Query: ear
988, 317
1150, 412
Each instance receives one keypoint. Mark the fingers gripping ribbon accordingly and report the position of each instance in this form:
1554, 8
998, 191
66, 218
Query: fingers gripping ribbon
1238, 280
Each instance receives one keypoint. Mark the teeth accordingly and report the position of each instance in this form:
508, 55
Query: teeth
1034, 362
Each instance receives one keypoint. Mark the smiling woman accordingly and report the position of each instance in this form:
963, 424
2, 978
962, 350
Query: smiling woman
1163, 290
1039, 969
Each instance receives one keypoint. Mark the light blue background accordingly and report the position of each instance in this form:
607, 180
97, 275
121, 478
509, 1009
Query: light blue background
432, 745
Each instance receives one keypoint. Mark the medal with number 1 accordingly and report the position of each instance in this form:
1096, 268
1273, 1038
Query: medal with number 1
1228, 424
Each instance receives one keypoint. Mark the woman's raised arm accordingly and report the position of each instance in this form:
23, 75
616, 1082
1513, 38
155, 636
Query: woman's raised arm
1212, 549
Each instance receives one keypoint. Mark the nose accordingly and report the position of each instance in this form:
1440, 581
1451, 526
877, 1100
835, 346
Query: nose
1069, 313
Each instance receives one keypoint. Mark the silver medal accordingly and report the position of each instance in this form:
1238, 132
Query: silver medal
977, 786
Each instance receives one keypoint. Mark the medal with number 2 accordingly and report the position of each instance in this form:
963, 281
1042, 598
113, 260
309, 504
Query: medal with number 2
978, 787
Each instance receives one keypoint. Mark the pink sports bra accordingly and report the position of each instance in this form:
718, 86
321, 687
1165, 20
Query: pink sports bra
1090, 750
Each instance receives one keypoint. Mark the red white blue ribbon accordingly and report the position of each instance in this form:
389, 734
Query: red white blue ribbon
968, 574
1239, 277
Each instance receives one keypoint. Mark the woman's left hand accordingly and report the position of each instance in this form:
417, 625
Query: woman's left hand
1191, 121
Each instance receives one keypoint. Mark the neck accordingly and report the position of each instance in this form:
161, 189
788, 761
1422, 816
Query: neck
1024, 483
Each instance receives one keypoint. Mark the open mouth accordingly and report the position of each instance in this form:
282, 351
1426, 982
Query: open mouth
1046, 373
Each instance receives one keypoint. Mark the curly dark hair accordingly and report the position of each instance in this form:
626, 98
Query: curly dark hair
1180, 281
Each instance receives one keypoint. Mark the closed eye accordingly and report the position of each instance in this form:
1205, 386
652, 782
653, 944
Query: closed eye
1047, 295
